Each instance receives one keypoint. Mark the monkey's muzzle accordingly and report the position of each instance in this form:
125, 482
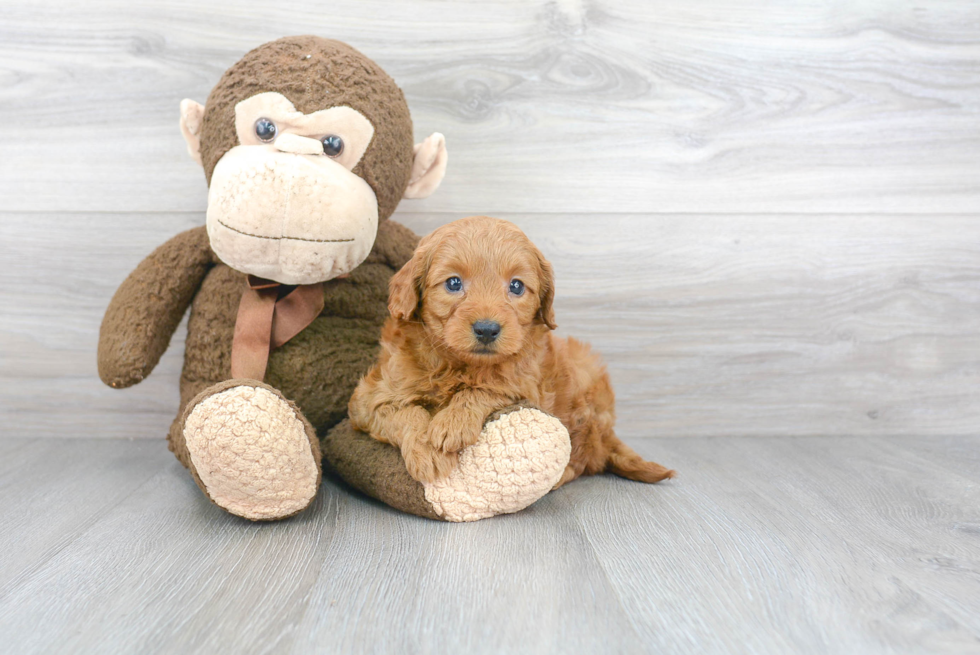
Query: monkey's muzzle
292, 218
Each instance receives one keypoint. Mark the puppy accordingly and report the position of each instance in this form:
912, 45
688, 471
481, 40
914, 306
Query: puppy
470, 333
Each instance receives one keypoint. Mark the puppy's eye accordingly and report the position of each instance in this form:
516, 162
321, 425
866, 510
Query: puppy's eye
333, 145
454, 284
517, 287
265, 129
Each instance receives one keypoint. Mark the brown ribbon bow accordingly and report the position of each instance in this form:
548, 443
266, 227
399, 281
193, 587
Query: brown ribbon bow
269, 315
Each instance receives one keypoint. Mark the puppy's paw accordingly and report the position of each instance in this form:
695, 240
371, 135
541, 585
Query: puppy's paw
425, 463
451, 431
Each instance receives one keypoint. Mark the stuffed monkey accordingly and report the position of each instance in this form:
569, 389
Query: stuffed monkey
307, 148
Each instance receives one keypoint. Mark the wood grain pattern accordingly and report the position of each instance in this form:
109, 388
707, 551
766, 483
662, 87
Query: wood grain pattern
788, 545
41, 478
711, 325
625, 106
809, 539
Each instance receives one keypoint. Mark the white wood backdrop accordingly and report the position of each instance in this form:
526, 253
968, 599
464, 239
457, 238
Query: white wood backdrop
765, 214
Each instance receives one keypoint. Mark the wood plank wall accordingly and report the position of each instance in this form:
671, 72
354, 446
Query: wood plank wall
765, 214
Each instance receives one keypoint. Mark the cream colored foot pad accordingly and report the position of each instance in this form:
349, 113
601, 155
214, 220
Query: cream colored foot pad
252, 454
518, 458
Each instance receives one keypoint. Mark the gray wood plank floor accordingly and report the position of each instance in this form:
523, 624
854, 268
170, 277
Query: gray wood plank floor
762, 545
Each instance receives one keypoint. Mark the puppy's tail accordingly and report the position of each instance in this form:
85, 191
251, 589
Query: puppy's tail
624, 462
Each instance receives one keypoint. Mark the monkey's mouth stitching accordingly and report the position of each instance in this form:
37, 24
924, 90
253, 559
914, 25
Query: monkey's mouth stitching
260, 236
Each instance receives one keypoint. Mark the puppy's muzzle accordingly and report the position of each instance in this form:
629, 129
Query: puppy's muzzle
486, 331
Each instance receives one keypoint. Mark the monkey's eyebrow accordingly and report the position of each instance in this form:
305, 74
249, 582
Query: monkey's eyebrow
262, 236
353, 126
270, 100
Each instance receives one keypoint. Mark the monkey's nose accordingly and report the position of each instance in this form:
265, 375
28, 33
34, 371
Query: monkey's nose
298, 145
486, 331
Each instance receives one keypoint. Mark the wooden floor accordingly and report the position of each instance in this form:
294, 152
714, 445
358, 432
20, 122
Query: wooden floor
762, 545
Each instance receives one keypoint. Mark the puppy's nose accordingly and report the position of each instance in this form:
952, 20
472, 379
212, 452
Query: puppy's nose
486, 331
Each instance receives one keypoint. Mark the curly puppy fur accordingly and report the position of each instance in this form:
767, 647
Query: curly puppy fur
437, 380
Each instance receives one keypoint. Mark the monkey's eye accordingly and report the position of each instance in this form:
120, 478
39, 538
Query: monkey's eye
265, 129
454, 284
517, 287
333, 145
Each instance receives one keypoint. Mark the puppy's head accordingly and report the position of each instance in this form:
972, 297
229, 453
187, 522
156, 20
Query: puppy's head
478, 286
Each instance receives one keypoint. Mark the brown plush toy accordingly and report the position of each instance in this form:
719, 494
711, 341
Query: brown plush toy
307, 148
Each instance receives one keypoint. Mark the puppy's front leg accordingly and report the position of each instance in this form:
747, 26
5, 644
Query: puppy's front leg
425, 463
404, 426
458, 425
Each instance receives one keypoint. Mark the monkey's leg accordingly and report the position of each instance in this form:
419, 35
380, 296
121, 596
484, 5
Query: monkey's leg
250, 450
519, 456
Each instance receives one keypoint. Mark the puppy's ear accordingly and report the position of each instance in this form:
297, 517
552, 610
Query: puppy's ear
546, 295
405, 287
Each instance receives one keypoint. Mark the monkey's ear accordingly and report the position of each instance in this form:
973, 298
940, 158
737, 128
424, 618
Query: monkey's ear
428, 167
191, 113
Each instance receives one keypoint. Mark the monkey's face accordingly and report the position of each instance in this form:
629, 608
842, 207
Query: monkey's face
284, 204
307, 146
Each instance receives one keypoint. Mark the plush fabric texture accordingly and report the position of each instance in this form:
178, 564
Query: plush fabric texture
325, 217
148, 306
225, 431
317, 369
374, 468
349, 124
431, 159
251, 450
519, 457
315, 73
191, 114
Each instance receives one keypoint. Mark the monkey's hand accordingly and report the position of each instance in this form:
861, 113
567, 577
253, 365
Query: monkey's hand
148, 306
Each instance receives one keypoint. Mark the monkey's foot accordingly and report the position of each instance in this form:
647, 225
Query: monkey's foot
520, 455
252, 452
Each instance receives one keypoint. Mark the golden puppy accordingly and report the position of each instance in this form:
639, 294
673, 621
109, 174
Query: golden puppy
470, 333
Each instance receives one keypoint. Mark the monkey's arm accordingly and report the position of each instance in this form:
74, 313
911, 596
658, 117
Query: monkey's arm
148, 306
